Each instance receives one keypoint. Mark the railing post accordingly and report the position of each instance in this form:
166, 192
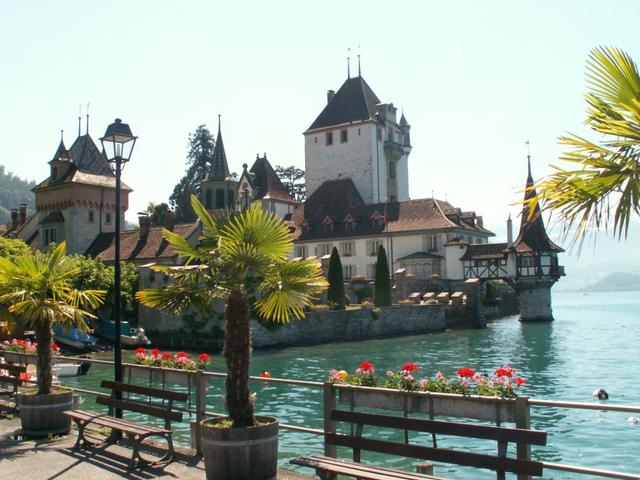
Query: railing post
201, 384
329, 426
523, 420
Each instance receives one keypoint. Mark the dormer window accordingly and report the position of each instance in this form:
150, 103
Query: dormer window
349, 223
377, 220
305, 226
327, 225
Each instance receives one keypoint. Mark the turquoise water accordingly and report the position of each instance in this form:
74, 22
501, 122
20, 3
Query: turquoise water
593, 343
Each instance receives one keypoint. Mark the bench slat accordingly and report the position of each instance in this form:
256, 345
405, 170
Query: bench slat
328, 462
9, 367
111, 422
501, 434
438, 454
352, 471
154, 392
140, 408
11, 380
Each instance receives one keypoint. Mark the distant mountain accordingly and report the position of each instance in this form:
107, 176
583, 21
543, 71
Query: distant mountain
13, 192
615, 282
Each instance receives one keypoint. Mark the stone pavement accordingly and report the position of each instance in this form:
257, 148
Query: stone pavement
54, 459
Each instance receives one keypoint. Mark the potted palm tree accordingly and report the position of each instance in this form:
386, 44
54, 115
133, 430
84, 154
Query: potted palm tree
37, 289
243, 259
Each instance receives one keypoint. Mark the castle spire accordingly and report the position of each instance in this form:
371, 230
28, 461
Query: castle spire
220, 168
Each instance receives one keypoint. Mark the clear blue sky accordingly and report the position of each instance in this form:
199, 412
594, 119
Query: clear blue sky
475, 80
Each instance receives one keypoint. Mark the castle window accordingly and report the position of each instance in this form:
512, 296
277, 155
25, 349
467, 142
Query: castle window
91, 216
54, 173
49, 236
107, 218
343, 136
220, 198
393, 198
207, 198
230, 197
430, 243
348, 271
315, 139
348, 249
372, 247
358, 132
324, 249
371, 270
379, 134
329, 138
301, 251
392, 169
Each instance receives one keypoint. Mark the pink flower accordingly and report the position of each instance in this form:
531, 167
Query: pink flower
424, 382
390, 373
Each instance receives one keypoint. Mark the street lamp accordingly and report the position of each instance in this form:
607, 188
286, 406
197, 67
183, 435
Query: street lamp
118, 143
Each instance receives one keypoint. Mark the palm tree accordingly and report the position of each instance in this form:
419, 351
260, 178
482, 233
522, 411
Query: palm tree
37, 289
604, 178
243, 259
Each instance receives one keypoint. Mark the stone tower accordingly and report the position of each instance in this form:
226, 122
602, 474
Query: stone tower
537, 266
358, 137
77, 201
219, 190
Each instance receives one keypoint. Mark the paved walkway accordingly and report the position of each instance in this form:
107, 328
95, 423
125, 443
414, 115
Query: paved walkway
54, 459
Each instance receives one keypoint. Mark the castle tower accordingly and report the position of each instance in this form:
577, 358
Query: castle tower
77, 201
358, 137
537, 266
218, 191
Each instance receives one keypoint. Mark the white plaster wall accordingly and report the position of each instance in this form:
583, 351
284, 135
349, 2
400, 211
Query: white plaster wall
352, 159
454, 267
402, 174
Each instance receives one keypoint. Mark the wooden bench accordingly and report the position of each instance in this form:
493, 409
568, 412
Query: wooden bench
327, 468
11, 377
136, 431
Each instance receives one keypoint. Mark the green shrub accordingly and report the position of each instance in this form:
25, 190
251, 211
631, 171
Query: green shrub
335, 294
382, 280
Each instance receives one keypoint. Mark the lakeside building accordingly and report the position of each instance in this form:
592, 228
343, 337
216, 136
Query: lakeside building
357, 177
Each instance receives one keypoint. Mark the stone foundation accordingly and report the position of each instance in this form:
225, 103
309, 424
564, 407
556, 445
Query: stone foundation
535, 302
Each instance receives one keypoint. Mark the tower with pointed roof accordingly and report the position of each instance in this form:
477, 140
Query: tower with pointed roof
358, 137
218, 192
537, 267
76, 202
261, 183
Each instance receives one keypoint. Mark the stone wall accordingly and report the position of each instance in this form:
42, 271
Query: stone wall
535, 301
342, 326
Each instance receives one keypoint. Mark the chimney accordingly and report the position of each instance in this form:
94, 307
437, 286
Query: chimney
145, 222
330, 95
168, 220
14, 218
479, 221
509, 232
23, 213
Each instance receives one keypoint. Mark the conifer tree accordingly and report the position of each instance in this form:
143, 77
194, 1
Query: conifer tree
335, 294
382, 295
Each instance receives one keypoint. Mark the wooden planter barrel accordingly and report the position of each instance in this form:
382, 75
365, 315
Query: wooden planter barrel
41, 415
249, 453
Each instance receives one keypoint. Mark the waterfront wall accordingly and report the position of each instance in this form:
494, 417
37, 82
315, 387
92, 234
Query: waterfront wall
348, 325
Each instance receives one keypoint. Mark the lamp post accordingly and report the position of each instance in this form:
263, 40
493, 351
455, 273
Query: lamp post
118, 143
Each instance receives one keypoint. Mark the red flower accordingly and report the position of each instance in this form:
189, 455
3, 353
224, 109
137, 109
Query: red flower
54, 346
410, 367
25, 377
181, 355
167, 356
504, 371
466, 372
155, 351
203, 357
366, 365
519, 380
141, 350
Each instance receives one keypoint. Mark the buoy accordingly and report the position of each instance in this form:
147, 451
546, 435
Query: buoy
600, 394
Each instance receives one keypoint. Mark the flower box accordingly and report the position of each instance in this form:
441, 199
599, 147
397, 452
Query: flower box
20, 358
159, 375
493, 409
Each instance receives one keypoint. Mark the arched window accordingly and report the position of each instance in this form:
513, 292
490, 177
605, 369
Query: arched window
207, 201
220, 198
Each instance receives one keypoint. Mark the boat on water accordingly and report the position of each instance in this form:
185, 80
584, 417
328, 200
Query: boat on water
129, 337
70, 369
75, 338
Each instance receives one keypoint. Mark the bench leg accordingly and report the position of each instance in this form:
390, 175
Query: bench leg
137, 458
81, 441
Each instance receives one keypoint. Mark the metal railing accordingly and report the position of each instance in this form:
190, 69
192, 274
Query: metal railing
201, 384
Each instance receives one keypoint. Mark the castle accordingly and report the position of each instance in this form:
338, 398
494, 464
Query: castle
357, 177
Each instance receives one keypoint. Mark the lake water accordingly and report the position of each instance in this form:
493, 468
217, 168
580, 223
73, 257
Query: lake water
593, 343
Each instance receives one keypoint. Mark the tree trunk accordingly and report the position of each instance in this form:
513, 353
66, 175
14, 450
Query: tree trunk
43, 337
237, 352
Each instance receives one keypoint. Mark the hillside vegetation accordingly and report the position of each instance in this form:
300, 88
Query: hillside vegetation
615, 282
13, 192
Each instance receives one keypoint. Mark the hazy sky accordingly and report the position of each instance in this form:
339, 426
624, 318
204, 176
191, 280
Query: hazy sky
475, 80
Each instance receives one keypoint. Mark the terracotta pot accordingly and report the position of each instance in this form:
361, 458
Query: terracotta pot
249, 453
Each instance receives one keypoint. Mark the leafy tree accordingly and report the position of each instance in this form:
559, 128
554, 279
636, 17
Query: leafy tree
12, 247
244, 260
382, 293
157, 212
37, 288
335, 294
199, 160
92, 274
13, 192
602, 179
292, 179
